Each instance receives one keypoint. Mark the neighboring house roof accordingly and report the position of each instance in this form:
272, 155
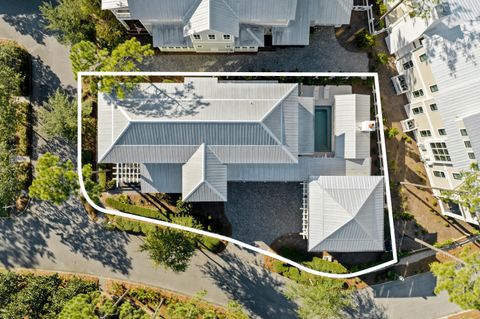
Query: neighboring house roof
350, 111
166, 122
290, 19
346, 213
411, 28
213, 15
454, 58
114, 4
472, 125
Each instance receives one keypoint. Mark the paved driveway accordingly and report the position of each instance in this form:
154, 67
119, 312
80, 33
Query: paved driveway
264, 211
324, 54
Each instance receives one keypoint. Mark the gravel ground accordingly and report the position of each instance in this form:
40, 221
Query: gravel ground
324, 54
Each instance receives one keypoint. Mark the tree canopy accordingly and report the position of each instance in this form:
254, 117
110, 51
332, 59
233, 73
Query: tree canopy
125, 57
77, 20
467, 194
169, 247
55, 181
462, 282
58, 116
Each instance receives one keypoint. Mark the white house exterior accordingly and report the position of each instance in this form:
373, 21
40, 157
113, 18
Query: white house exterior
197, 136
438, 60
227, 25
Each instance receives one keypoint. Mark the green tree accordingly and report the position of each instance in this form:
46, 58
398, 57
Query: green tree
10, 285
462, 282
188, 309
58, 117
126, 57
82, 306
320, 297
93, 189
78, 20
169, 247
467, 194
10, 81
127, 311
55, 181
33, 300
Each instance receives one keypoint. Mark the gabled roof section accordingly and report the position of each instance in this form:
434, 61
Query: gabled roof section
111, 124
350, 111
215, 15
346, 213
204, 177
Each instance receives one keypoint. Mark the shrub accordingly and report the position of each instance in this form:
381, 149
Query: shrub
407, 138
391, 132
279, 267
382, 9
16, 57
365, 40
326, 266
133, 209
23, 124
382, 58
130, 225
443, 244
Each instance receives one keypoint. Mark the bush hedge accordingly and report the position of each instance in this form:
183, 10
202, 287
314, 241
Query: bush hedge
316, 263
365, 40
134, 209
23, 129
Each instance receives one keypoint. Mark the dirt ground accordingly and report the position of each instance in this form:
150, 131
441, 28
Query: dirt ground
403, 155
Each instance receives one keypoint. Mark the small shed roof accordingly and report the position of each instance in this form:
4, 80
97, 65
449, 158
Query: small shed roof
345, 213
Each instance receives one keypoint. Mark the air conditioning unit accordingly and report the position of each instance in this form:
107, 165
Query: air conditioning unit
368, 126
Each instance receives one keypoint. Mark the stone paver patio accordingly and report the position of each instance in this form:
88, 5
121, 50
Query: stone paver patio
264, 211
324, 54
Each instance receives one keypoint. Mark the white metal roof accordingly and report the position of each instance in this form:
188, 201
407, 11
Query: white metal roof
454, 55
213, 15
411, 28
349, 112
114, 4
346, 213
204, 177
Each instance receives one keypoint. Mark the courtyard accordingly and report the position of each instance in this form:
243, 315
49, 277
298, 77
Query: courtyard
262, 212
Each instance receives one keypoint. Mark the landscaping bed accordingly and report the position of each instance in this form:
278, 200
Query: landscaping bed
156, 207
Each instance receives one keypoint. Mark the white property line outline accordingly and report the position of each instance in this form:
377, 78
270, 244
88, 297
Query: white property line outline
229, 239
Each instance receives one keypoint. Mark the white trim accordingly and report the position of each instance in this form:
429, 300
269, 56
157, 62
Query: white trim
225, 238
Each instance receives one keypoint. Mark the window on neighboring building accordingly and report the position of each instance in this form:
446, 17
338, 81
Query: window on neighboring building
463, 132
442, 131
439, 174
423, 57
226, 37
434, 88
199, 46
440, 152
417, 110
197, 37
457, 175
425, 133
467, 144
471, 155
211, 37
408, 65
418, 93
433, 107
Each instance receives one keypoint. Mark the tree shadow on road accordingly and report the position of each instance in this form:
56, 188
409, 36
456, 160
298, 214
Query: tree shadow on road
32, 236
258, 290
26, 18
364, 306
